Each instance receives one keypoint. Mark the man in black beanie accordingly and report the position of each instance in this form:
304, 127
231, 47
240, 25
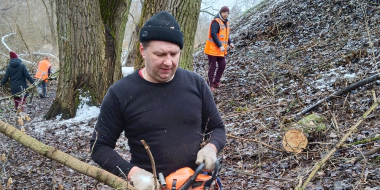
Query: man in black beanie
172, 109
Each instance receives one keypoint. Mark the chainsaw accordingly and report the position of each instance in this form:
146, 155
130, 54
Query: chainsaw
187, 179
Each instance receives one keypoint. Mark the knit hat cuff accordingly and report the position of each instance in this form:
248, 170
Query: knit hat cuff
149, 33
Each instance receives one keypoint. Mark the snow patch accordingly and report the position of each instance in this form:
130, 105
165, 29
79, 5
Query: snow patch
85, 113
127, 70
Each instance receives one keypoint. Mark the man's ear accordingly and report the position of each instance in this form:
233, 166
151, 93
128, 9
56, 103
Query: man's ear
142, 51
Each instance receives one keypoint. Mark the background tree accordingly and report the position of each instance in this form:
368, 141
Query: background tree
186, 13
50, 14
91, 36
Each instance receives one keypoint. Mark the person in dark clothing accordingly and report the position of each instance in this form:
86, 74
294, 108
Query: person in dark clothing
168, 107
18, 74
216, 47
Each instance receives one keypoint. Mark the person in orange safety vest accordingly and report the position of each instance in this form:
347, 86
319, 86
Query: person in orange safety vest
43, 72
216, 47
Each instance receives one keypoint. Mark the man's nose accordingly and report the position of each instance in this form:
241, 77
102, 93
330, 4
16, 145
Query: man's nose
168, 60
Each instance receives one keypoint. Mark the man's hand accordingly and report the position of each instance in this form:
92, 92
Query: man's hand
208, 155
232, 45
222, 48
144, 180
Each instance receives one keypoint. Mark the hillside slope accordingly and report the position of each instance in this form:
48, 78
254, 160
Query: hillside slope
289, 55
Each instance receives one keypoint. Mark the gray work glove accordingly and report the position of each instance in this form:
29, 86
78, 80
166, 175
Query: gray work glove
222, 48
144, 180
232, 45
208, 155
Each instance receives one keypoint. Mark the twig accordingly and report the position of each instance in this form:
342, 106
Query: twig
249, 110
320, 143
259, 176
369, 35
252, 140
364, 141
96, 139
345, 100
370, 152
339, 144
374, 96
335, 121
121, 171
364, 166
152, 162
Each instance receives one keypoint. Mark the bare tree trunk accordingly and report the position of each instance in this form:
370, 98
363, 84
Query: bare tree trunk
63, 158
115, 15
50, 15
91, 35
186, 13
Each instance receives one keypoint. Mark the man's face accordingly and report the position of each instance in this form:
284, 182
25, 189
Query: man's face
224, 15
161, 60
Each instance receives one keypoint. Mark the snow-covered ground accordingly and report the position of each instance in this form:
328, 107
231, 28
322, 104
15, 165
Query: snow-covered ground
85, 113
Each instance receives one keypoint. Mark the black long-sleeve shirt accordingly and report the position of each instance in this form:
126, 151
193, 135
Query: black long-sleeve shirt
171, 117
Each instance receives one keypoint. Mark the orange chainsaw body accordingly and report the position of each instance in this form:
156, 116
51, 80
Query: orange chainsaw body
182, 176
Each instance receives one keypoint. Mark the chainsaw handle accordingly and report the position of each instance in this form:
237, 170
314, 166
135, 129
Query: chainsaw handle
193, 177
216, 172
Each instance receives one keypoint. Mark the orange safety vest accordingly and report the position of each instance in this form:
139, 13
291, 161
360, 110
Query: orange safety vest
42, 70
211, 48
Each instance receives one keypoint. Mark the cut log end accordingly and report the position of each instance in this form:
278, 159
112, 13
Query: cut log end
294, 141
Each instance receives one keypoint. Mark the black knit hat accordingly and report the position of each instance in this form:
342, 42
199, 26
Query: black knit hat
163, 27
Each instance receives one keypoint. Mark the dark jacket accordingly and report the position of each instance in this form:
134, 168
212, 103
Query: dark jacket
18, 74
215, 30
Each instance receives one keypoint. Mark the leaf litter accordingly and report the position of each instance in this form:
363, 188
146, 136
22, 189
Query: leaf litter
291, 55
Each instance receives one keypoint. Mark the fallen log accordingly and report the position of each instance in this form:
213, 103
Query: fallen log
64, 158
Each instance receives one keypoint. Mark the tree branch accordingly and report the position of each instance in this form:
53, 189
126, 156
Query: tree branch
352, 129
204, 11
63, 158
341, 92
369, 153
252, 140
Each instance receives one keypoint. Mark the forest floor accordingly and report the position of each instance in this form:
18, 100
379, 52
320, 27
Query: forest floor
288, 56
253, 116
